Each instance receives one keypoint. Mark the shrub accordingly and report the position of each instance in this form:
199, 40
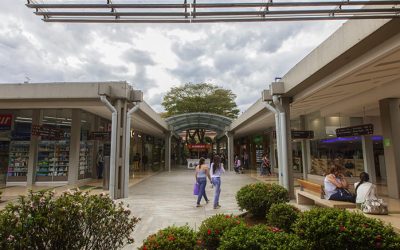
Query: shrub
339, 229
212, 229
75, 220
260, 237
171, 238
257, 198
282, 215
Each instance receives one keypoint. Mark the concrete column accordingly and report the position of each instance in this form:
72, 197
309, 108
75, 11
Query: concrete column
305, 150
74, 145
37, 115
168, 138
390, 120
272, 148
306, 155
230, 150
288, 173
120, 190
368, 156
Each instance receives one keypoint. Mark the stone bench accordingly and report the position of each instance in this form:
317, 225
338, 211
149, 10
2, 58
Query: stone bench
313, 194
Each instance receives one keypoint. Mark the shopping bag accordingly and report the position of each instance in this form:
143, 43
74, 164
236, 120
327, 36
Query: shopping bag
196, 189
374, 206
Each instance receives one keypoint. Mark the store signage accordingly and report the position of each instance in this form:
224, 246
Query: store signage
5, 122
100, 135
258, 139
298, 134
365, 129
302, 134
48, 132
199, 146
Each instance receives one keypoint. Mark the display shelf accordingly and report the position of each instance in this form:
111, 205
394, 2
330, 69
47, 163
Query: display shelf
53, 161
85, 160
18, 161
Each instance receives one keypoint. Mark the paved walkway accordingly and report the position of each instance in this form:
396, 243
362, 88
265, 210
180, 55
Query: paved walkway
167, 199
11, 194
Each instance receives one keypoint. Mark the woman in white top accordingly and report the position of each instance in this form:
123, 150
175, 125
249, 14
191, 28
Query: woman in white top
364, 189
217, 169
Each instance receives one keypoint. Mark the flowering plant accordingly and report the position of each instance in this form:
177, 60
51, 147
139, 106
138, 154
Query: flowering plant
171, 238
75, 220
260, 237
212, 229
327, 228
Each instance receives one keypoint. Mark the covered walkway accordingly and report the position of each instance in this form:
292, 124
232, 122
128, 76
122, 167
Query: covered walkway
172, 201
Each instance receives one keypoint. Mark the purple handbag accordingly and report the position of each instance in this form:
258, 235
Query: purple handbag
196, 189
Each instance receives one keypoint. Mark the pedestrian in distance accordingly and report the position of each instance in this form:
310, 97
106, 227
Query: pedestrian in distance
217, 168
265, 165
238, 165
100, 164
201, 175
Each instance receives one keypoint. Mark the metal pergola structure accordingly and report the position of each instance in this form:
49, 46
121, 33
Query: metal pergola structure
208, 121
197, 11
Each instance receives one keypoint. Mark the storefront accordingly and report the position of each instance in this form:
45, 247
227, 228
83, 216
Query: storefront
346, 141
38, 143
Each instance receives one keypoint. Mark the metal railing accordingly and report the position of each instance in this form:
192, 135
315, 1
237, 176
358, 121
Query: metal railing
195, 12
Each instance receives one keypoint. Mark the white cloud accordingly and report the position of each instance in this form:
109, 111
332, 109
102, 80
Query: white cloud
154, 57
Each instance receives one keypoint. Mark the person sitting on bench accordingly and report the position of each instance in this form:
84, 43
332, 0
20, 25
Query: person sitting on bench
335, 186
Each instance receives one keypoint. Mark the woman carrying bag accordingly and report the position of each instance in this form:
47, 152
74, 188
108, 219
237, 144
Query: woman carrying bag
335, 185
366, 198
202, 172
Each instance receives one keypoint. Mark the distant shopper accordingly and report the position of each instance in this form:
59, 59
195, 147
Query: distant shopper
336, 186
223, 159
100, 164
217, 168
364, 189
136, 161
144, 162
202, 172
246, 160
266, 165
238, 165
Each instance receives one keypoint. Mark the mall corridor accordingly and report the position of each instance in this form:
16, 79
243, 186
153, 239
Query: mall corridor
167, 199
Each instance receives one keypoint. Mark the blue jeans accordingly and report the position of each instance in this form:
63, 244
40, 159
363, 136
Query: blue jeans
342, 195
217, 185
202, 189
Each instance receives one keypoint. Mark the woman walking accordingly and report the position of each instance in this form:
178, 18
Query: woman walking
202, 172
266, 165
217, 168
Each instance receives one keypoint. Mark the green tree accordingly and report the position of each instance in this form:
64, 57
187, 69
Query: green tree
202, 97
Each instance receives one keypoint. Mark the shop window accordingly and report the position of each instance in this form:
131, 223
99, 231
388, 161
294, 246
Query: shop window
19, 146
86, 152
345, 152
53, 152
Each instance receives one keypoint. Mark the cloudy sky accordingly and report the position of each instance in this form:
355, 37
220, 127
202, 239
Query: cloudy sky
242, 57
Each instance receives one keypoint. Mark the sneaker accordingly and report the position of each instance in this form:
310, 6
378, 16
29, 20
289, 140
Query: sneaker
207, 202
216, 207
198, 205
